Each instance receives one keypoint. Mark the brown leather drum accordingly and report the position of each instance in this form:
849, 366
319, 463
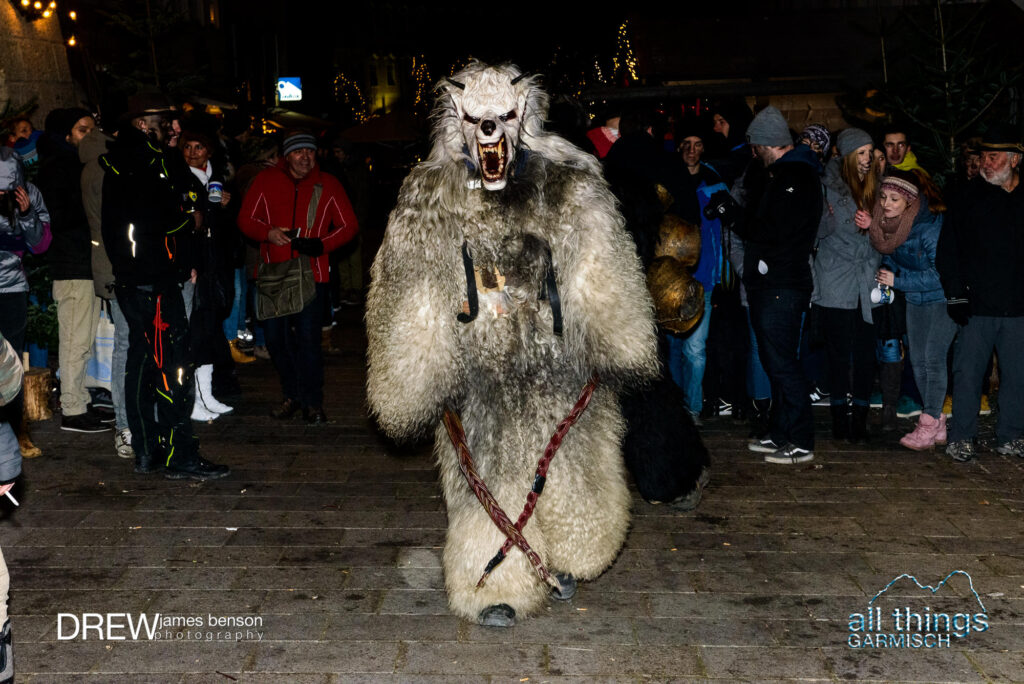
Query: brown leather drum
678, 239
678, 298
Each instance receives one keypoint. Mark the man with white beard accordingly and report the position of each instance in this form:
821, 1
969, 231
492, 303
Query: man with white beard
979, 255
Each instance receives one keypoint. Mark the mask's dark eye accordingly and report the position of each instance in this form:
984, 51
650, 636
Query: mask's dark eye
470, 119
509, 116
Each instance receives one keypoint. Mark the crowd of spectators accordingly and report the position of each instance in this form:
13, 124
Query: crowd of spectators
831, 264
156, 222
835, 265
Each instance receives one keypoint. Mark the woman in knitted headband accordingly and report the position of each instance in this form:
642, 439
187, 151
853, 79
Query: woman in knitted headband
906, 232
895, 211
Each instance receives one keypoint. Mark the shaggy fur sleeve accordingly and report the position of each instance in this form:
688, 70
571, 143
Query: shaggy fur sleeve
607, 307
414, 367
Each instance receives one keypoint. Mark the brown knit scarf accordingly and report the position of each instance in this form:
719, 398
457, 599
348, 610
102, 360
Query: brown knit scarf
888, 234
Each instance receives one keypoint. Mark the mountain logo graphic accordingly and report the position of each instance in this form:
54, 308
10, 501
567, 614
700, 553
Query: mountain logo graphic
914, 626
931, 588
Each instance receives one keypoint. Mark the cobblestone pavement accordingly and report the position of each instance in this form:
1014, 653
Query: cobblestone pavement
332, 539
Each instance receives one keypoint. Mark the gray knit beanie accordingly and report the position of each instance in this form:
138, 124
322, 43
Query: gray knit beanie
850, 139
298, 140
769, 128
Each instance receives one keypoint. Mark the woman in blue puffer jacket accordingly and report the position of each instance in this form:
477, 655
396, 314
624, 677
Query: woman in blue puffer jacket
906, 230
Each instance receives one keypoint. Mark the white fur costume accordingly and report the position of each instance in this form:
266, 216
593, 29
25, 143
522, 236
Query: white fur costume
496, 181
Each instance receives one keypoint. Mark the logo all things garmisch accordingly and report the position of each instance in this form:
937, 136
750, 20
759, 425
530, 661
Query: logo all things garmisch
909, 627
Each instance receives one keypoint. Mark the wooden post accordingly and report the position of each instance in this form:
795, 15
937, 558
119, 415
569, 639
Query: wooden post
37, 394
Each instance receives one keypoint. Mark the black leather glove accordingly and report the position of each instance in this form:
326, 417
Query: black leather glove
313, 247
959, 309
722, 206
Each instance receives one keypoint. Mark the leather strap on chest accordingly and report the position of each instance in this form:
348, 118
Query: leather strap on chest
548, 292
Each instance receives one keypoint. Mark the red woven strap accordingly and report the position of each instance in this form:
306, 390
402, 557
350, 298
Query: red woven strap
513, 532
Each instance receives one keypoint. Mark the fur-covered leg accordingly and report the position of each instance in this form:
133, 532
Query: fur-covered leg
473, 539
584, 510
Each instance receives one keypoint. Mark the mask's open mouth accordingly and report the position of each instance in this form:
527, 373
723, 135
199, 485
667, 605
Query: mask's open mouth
492, 160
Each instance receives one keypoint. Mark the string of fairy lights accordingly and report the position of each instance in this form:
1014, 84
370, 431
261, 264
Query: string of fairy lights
624, 57
625, 68
422, 83
348, 92
34, 10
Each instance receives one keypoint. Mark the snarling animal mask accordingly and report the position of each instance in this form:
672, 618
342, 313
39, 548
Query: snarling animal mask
490, 105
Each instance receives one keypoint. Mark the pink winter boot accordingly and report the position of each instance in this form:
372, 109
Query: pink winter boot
923, 436
940, 432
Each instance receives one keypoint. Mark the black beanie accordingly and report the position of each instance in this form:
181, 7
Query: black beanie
59, 122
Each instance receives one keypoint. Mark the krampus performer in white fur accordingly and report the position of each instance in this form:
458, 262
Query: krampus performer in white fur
504, 283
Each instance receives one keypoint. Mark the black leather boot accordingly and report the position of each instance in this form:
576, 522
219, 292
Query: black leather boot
6, 654
840, 421
859, 424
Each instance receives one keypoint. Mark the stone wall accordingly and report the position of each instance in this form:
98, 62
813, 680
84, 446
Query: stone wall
801, 110
33, 63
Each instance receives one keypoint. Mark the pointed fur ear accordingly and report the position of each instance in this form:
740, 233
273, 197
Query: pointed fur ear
460, 86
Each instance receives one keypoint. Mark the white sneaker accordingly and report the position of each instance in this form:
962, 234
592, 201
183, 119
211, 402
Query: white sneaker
764, 446
123, 443
790, 454
820, 397
1015, 447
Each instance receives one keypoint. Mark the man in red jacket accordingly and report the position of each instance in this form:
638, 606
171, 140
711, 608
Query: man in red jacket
276, 213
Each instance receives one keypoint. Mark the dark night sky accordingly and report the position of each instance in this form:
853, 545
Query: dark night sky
685, 40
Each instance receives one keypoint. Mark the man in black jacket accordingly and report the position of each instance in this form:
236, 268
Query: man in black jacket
78, 307
979, 257
781, 224
149, 216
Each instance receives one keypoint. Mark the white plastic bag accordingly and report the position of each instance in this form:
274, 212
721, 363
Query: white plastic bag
97, 372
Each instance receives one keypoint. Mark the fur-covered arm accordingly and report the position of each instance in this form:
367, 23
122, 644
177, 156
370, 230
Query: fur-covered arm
608, 311
413, 360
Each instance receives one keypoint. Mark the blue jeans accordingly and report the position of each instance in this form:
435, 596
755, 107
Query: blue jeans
294, 346
777, 316
118, 363
188, 295
687, 358
758, 384
930, 331
236, 319
971, 353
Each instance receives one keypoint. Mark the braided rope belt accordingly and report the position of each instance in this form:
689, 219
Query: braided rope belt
513, 532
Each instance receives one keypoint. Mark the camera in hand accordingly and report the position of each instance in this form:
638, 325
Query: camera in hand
722, 206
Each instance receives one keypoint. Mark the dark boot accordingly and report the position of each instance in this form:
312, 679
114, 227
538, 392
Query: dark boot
859, 424
6, 654
759, 426
840, 421
889, 377
566, 587
197, 468
28, 449
499, 615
